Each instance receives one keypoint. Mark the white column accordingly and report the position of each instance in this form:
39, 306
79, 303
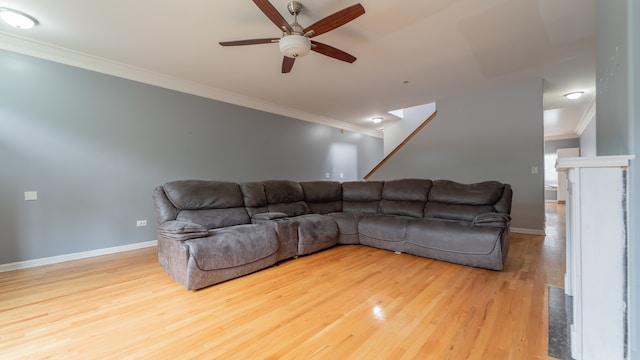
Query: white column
597, 230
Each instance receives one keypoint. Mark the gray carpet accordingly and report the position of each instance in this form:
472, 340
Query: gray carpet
559, 318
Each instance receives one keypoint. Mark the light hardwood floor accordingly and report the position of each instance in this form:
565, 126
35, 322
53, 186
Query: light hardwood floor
348, 302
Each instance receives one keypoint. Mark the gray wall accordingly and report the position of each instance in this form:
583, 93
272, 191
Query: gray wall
618, 120
611, 74
396, 131
489, 133
94, 147
588, 140
551, 146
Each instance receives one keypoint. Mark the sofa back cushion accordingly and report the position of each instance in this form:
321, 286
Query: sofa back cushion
286, 197
213, 204
451, 192
503, 205
361, 196
255, 200
455, 201
323, 197
165, 210
455, 211
405, 197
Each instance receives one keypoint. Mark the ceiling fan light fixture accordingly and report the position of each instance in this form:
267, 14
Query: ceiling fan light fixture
17, 19
294, 46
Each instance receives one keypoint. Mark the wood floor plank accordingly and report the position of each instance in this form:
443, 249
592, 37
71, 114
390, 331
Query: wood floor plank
348, 302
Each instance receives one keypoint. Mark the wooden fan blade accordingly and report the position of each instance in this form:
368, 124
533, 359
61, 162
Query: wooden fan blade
335, 20
330, 51
287, 64
248, 42
273, 14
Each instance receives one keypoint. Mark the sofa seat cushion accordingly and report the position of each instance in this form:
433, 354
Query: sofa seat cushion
315, 228
315, 232
384, 227
452, 236
347, 227
347, 222
233, 246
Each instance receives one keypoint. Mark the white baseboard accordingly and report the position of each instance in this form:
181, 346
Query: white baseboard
75, 256
573, 340
528, 231
567, 285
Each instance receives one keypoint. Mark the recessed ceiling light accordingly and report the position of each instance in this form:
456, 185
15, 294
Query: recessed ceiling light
377, 120
17, 18
574, 95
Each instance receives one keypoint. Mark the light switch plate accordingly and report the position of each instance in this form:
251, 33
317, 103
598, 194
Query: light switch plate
30, 195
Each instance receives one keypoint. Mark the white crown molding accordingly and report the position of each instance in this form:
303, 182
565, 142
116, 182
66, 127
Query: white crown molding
561, 137
75, 256
588, 115
88, 62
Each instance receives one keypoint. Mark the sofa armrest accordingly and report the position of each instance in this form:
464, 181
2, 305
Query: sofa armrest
492, 219
182, 230
268, 216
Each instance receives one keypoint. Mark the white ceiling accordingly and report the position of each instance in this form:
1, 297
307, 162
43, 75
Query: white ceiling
409, 53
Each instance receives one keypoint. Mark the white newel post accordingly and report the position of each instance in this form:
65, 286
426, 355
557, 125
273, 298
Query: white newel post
596, 269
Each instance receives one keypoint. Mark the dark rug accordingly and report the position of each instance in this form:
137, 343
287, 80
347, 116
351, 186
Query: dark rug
559, 318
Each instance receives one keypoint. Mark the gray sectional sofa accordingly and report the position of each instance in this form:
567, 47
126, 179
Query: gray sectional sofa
212, 231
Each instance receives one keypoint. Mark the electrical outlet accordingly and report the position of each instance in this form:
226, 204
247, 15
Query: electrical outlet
140, 223
534, 169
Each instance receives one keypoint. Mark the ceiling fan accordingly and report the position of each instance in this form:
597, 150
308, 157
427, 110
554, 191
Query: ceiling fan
296, 41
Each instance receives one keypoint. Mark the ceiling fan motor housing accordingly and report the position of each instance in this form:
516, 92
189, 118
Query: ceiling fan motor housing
294, 45
294, 7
